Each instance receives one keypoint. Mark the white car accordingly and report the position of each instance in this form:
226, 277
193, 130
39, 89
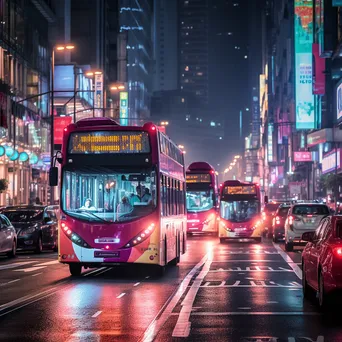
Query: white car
8, 237
302, 218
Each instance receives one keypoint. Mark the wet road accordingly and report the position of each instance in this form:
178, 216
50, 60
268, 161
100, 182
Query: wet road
229, 292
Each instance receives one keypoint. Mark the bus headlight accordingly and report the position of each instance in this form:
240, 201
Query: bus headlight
75, 238
141, 237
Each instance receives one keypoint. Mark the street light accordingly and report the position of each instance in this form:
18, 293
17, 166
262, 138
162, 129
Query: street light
181, 146
116, 87
52, 135
164, 123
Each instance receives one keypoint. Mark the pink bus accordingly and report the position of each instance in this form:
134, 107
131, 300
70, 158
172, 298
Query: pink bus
201, 198
240, 211
122, 196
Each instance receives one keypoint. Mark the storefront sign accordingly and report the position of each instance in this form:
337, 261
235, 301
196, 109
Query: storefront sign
123, 108
59, 124
99, 94
337, 3
329, 161
339, 101
304, 156
305, 109
318, 71
319, 137
270, 143
255, 119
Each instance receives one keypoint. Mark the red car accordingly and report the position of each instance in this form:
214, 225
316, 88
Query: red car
322, 259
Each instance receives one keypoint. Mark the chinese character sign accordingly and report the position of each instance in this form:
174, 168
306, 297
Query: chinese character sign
59, 124
305, 111
99, 94
124, 108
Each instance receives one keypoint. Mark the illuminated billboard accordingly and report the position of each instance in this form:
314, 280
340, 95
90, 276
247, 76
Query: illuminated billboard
305, 110
123, 108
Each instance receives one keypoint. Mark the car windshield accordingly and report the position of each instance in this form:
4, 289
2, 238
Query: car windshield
23, 215
310, 210
239, 211
98, 194
282, 212
197, 201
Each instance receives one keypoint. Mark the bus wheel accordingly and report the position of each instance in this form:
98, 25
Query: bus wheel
75, 269
176, 260
160, 270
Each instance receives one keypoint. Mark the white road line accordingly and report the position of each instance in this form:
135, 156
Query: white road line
183, 325
272, 302
255, 285
136, 284
106, 270
147, 277
29, 269
48, 263
9, 282
245, 308
94, 271
14, 265
250, 270
290, 262
166, 311
253, 313
37, 274
96, 314
249, 261
121, 295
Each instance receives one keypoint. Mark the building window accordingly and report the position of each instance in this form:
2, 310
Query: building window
199, 74
186, 68
183, 99
212, 123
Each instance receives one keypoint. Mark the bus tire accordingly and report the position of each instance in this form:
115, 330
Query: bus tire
75, 269
176, 260
184, 244
160, 270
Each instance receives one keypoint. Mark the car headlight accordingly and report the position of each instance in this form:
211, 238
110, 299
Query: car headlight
28, 230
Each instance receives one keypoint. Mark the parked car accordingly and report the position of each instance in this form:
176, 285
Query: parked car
36, 226
302, 218
322, 259
278, 225
8, 237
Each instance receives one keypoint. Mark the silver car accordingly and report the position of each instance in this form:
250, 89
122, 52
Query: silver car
8, 237
302, 218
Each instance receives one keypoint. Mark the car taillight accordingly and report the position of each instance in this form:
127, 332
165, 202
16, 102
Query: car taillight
73, 236
141, 237
338, 252
263, 214
277, 220
290, 220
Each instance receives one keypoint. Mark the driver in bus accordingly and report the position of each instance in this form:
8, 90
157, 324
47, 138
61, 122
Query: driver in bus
124, 207
88, 205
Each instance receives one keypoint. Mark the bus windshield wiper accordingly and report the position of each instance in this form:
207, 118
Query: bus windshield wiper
92, 214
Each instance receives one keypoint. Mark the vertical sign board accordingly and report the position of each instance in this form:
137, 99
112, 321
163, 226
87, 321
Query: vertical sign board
270, 143
339, 102
305, 110
123, 108
59, 124
255, 119
98, 95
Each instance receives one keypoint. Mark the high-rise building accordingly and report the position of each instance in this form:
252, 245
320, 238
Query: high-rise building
135, 18
193, 44
165, 45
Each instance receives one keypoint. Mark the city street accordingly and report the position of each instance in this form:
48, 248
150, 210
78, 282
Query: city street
230, 292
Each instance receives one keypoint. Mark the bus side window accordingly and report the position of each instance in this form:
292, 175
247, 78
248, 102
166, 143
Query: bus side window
169, 210
164, 198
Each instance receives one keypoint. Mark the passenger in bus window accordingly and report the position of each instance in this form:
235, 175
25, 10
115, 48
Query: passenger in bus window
147, 196
124, 207
136, 198
88, 205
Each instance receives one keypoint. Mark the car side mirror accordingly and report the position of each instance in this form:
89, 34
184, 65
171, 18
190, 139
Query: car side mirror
308, 236
266, 199
53, 176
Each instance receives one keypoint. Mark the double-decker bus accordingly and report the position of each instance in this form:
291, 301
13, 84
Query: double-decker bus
239, 211
201, 198
122, 196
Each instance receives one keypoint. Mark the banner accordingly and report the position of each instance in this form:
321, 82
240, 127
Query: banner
123, 108
318, 72
302, 156
305, 110
337, 3
339, 102
59, 124
99, 94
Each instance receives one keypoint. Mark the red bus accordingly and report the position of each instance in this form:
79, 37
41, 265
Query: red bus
122, 196
240, 211
201, 198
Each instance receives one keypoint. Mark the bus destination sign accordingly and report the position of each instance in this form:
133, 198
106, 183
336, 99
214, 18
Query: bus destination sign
109, 142
240, 190
198, 178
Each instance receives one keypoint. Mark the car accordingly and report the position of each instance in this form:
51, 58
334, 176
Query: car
278, 224
36, 226
302, 218
322, 260
267, 215
8, 237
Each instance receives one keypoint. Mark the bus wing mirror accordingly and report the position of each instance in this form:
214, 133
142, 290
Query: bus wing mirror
53, 176
266, 199
60, 160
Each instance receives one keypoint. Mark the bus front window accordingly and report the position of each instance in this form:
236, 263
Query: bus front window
105, 195
239, 211
197, 201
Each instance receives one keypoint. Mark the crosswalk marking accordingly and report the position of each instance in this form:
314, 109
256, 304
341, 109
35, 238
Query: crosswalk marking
30, 269
14, 265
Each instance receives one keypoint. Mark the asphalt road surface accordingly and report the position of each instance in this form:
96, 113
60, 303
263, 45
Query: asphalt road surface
230, 292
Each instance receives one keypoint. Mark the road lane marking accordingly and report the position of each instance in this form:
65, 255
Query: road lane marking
166, 311
37, 274
136, 284
290, 262
252, 269
15, 265
183, 325
256, 283
94, 271
245, 308
121, 295
9, 282
48, 263
29, 269
106, 270
272, 302
96, 314
256, 313
246, 260
147, 277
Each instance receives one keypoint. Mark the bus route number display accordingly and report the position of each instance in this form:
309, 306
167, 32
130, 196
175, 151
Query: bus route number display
240, 190
108, 142
198, 178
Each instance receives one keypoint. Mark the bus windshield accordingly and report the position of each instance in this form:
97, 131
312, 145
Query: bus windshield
98, 194
239, 211
197, 201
